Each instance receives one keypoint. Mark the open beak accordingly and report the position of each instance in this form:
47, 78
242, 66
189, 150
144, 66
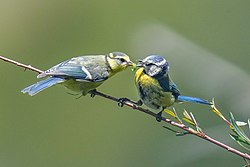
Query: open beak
130, 63
140, 64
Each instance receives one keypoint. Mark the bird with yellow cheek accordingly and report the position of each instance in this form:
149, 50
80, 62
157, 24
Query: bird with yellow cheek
82, 74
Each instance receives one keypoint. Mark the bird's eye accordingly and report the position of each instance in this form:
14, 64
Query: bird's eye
122, 60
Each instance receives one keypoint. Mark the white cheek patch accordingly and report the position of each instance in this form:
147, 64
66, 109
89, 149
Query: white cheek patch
89, 76
162, 62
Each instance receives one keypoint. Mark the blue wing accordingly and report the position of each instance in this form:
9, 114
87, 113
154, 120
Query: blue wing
39, 86
169, 86
164, 83
193, 99
80, 68
66, 68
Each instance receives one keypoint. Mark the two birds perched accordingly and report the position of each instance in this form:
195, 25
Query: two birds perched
85, 73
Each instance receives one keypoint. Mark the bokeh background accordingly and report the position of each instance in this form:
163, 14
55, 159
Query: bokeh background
206, 43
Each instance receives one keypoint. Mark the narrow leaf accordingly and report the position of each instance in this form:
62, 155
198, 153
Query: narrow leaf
189, 121
239, 139
193, 118
237, 129
196, 123
248, 121
172, 130
188, 118
177, 117
216, 111
185, 113
240, 123
241, 142
170, 112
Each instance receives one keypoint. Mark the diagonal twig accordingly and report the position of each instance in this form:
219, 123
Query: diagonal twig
29, 67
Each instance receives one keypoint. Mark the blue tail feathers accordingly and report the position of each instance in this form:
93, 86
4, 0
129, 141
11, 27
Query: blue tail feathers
193, 99
39, 86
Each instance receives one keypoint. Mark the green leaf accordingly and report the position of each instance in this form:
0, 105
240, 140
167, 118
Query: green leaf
196, 123
238, 130
173, 114
189, 121
188, 118
241, 142
193, 118
216, 111
185, 113
170, 112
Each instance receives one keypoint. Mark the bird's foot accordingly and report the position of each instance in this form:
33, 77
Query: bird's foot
92, 93
122, 101
158, 117
139, 103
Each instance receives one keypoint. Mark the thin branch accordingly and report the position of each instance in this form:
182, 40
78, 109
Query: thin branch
179, 125
29, 67
146, 111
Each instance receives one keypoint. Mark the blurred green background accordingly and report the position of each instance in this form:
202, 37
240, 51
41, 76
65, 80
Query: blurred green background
206, 43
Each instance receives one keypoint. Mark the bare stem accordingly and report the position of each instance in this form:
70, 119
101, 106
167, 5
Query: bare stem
179, 125
29, 67
146, 111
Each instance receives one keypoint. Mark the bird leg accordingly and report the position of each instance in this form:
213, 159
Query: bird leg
139, 103
92, 93
159, 114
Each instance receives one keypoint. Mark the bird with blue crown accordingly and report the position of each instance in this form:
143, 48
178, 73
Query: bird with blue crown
82, 74
155, 87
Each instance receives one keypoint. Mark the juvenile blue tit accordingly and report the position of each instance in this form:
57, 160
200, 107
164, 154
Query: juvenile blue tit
82, 74
155, 87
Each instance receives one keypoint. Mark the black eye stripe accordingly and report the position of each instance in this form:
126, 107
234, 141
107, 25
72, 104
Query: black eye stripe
122, 60
150, 64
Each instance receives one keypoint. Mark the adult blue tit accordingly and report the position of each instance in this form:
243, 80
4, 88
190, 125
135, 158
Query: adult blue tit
155, 87
82, 74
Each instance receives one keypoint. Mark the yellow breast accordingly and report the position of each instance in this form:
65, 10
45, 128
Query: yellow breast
150, 91
142, 78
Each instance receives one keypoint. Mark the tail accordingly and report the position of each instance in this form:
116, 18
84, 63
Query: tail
39, 86
193, 99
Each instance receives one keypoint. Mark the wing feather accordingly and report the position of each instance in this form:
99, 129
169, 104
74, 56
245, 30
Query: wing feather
84, 68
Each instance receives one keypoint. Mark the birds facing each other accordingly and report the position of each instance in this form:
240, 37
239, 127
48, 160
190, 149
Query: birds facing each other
82, 74
155, 87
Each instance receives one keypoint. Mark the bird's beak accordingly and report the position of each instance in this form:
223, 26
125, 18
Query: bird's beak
130, 63
140, 64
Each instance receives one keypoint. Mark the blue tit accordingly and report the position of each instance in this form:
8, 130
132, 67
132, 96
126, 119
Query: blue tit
82, 74
155, 87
